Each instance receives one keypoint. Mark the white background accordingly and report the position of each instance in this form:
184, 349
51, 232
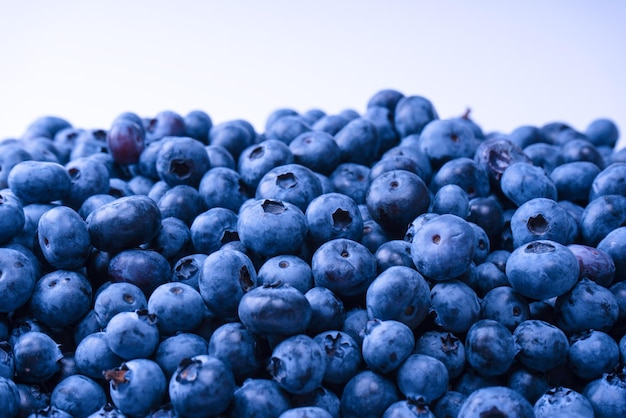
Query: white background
512, 63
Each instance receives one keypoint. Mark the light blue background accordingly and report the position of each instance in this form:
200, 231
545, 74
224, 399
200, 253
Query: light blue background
511, 62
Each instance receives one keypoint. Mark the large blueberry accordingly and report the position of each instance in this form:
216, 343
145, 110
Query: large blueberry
19, 275
37, 357
422, 377
182, 160
327, 310
9, 397
39, 181
607, 395
489, 347
613, 244
352, 180
497, 401
222, 187
333, 215
386, 344
212, 229
172, 350
288, 269
562, 401
258, 159
233, 135
521, 182
286, 128
543, 346
455, 305
79, 395
542, 219
298, 364
293, 183
182, 202
133, 335
591, 354
88, 177
93, 355
163, 124
116, 298
343, 356
177, 306
63, 238
261, 398
316, 150
146, 269
367, 395
358, 142
601, 216
236, 346
412, 114
505, 305
445, 347
574, 180
137, 386
197, 125
447, 139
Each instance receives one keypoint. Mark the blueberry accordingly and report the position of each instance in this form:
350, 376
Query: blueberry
260, 398
445, 140
419, 162
542, 219
19, 274
327, 310
11, 154
37, 357
258, 159
449, 404
297, 364
78, 395
393, 253
187, 269
12, 218
9, 397
182, 202
445, 347
543, 346
343, 356
609, 181
173, 240
39, 181
330, 124
288, 269
422, 377
320, 397
172, 350
293, 183
132, 335
93, 355
63, 238
46, 126
386, 344
177, 306
562, 400
333, 215
412, 114
147, 269
182, 160
580, 149
126, 141
455, 305
382, 118
88, 177
443, 248
236, 346
489, 347
595, 264
220, 157
601, 216
574, 180
367, 395
613, 244
212, 229
607, 395
496, 401
355, 324
408, 408
602, 132
387, 98
495, 155
316, 150
222, 187
591, 354
505, 305
358, 142
136, 386
351, 179
198, 124
306, 412
542, 269
118, 297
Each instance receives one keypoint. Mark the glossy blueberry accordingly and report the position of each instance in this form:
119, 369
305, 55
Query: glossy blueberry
607, 395
595, 264
542, 269
521, 182
19, 275
165, 123
288, 269
298, 364
286, 128
275, 309
37, 357
422, 377
78, 395
367, 395
358, 142
490, 347
343, 356
177, 306
182, 160
137, 386
225, 277
601, 216
574, 180
545, 156
293, 183
320, 397
258, 159
63, 238
272, 227
306, 412
586, 306
146, 269
12, 218
542, 219
236, 346
445, 347
412, 114
88, 177
61, 298
333, 215
543, 346
133, 335
197, 125
212, 229
455, 305
316, 150
496, 401
125, 141
352, 180
562, 400
344, 266
393, 253
395, 198
93, 355
327, 310
118, 297
222, 187
39, 181
451, 199
182, 202
220, 157
505, 305
399, 293
124, 223
591, 354
260, 398
386, 344
443, 248
173, 240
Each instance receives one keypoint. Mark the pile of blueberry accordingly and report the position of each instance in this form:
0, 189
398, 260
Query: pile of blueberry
387, 263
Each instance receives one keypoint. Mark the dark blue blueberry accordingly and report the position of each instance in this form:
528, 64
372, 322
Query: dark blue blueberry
63, 238
595, 264
586, 306
124, 223
165, 123
445, 347
182, 202
182, 160
212, 229
574, 180
562, 401
611, 180
408, 408
619, 291
12, 218
11, 154
344, 266
147, 160
552, 130
522, 182
173, 240
39, 181
496, 401
32, 398
108, 410
449, 404
393, 253
443, 248
530, 384
286, 128
355, 324
526, 135
7, 361
306, 412
420, 162
327, 310
580, 149
373, 235
61, 298
602, 132
542, 219
172, 350
367, 395
505, 305
260, 398
37, 357
316, 150
542, 269
220, 157
399, 293
222, 187
146, 269
78, 395
287, 269
133, 335
125, 141
137, 386
490, 347
445, 140
258, 159
234, 135
333, 215
187, 269
613, 244
225, 277
119, 188
330, 124
88, 177
387, 98
591, 354
275, 309
297, 364
116, 298
19, 275
293, 183
320, 397
9, 397
607, 395
350, 114
236, 346
358, 142
198, 124
177, 306
495, 155
382, 118
422, 377
412, 114
352, 180
91, 142
386, 344
451, 199
545, 156
455, 305
395, 198
93, 356
343, 356
93, 202
543, 346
